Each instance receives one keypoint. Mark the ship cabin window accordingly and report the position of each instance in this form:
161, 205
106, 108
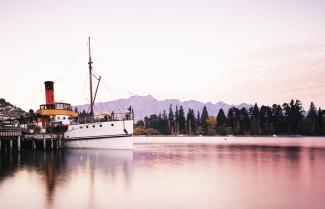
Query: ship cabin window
63, 106
100, 125
63, 118
93, 126
112, 124
59, 106
56, 106
86, 126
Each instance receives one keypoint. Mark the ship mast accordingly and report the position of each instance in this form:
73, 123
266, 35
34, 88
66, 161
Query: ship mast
90, 80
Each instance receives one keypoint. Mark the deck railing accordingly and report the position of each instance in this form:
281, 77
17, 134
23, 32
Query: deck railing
104, 117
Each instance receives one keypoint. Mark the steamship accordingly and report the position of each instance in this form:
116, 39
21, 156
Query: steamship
109, 131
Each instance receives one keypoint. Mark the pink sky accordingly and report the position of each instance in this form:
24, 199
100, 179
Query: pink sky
233, 51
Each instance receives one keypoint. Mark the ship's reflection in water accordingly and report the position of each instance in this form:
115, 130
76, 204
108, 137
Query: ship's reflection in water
169, 175
62, 178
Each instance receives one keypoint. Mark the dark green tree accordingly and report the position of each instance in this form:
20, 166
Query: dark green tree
221, 122
293, 113
191, 122
176, 120
182, 121
221, 117
244, 121
277, 119
320, 119
198, 118
255, 118
311, 122
171, 120
164, 124
204, 118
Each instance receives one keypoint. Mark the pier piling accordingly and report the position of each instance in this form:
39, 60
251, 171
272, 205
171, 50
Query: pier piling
44, 142
33, 145
60, 141
16, 139
51, 141
18, 143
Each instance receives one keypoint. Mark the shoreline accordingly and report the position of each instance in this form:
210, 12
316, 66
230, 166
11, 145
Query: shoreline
232, 136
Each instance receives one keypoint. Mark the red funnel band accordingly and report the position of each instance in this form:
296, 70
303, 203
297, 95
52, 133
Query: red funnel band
49, 92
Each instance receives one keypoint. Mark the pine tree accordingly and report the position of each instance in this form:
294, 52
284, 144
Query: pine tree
204, 118
191, 122
231, 118
311, 122
176, 120
320, 119
221, 122
221, 118
198, 118
164, 124
256, 127
277, 119
263, 120
171, 120
244, 121
293, 116
182, 121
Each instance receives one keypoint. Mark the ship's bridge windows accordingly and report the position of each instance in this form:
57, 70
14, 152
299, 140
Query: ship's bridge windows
59, 106
56, 106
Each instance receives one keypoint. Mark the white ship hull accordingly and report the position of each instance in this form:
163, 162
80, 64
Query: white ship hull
100, 135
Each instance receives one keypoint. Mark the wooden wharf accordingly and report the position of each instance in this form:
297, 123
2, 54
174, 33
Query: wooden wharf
17, 139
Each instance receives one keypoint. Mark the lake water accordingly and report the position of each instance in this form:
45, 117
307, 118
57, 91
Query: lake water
170, 172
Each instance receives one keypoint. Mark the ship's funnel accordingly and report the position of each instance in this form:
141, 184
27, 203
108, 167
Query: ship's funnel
49, 91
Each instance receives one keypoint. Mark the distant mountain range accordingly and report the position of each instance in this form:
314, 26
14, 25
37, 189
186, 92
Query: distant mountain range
147, 105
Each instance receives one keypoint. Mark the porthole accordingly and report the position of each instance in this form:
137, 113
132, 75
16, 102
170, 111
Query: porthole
81, 127
86, 126
93, 126
100, 125
112, 124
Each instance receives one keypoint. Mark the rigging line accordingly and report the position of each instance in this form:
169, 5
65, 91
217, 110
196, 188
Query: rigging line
117, 103
68, 67
116, 80
95, 74
84, 88
105, 85
111, 74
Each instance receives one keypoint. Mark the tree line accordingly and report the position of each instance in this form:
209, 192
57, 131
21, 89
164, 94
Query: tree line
286, 119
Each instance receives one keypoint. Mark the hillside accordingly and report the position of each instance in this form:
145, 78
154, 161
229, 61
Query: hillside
147, 105
10, 110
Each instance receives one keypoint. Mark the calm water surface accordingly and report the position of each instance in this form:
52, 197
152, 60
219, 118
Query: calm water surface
161, 173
